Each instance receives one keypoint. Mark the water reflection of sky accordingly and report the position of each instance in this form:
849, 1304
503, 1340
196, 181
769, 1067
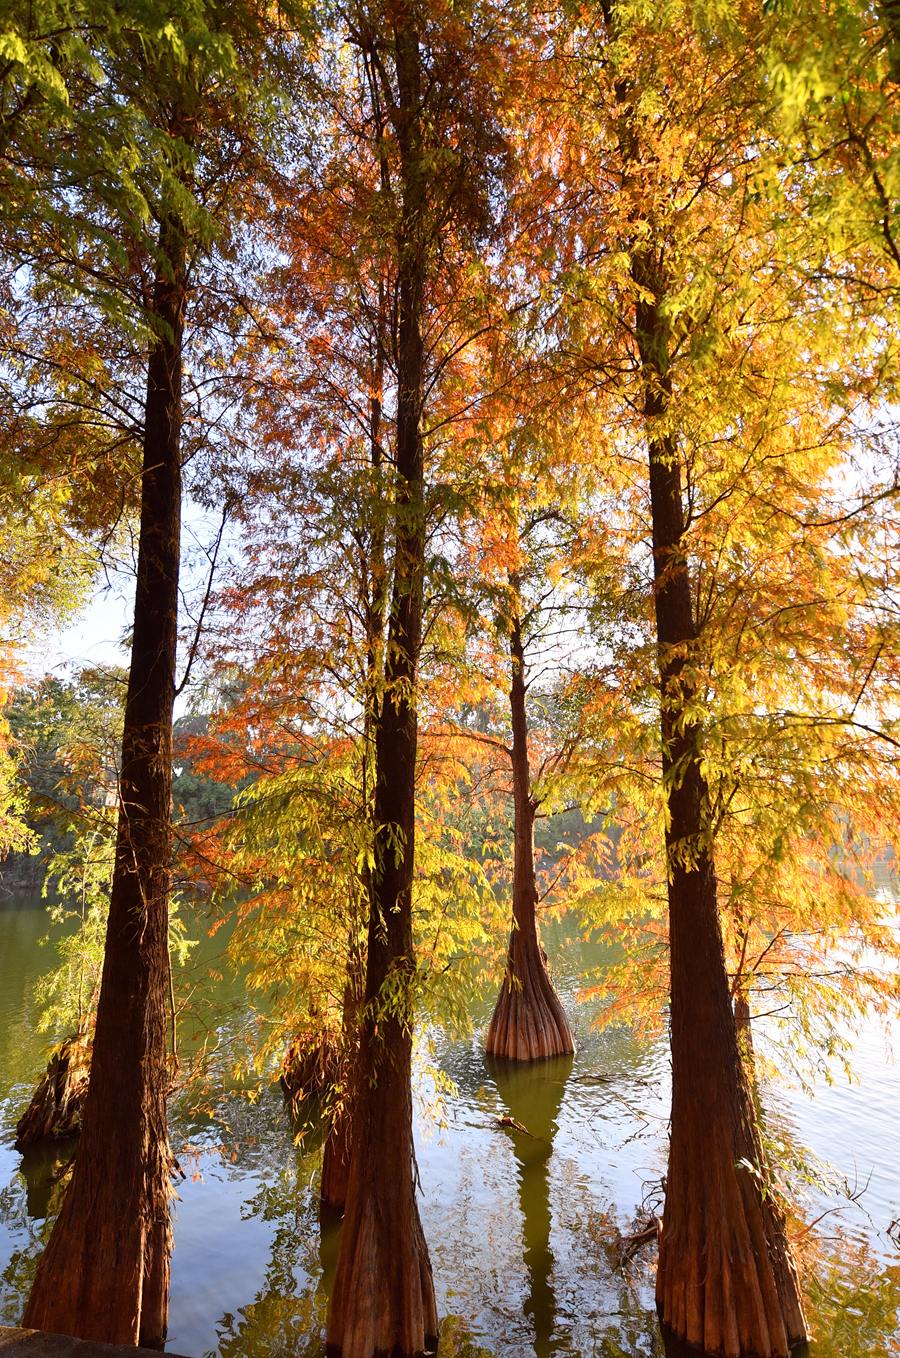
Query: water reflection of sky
856, 1127
520, 1227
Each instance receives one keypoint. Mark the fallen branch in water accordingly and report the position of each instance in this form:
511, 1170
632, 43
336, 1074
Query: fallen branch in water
630, 1244
517, 1127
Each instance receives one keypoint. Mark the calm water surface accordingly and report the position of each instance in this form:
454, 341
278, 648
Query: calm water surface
521, 1228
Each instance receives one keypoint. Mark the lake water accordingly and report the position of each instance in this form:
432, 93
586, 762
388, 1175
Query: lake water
521, 1228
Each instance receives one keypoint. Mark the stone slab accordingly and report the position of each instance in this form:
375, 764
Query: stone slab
16, 1343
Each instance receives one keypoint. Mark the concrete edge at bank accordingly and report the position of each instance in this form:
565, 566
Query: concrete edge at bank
18, 1343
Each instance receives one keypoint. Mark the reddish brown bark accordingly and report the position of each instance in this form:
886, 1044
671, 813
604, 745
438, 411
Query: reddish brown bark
57, 1105
383, 1300
338, 1144
529, 1022
104, 1274
726, 1282
336, 1161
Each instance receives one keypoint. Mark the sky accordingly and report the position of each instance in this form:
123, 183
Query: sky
95, 636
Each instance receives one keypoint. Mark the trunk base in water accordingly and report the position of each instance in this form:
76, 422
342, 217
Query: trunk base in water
673, 1347
308, 1070
336, 1162
57, 1104
383, 1300
529, 1022
726, 1283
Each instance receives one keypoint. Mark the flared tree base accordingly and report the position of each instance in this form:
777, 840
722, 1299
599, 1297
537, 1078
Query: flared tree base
57, 1104
387, 1304
383, 1300
310, 1069
726, 1283
529, 1022
673, 1347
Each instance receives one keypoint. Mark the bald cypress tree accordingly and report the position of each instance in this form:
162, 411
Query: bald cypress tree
134, 248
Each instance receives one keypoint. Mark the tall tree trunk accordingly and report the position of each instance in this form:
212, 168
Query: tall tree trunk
105, 1272
383, 1301
726, 1282
529, 1021
337, 1153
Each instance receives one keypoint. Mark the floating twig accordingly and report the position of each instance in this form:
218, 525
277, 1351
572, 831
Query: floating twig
517, 1127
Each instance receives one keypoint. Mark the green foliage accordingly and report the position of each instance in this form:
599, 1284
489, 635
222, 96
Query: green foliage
297, 851
78, 881
15, 834
82, 874
67, 735
460, 917
105, 158
118, 126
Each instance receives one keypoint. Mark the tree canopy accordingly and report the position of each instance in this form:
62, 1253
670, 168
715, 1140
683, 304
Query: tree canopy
540, 368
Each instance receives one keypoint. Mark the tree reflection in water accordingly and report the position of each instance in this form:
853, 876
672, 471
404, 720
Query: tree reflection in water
287, 1315
576, 1300
532, 1092
853, 1291
852, 1298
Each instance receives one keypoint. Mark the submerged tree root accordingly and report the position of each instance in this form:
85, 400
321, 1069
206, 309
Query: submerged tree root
57, 1104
